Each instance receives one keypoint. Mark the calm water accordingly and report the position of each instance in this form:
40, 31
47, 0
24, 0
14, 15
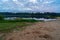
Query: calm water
13, 18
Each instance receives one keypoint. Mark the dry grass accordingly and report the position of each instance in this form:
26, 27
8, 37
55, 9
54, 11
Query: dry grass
37, 31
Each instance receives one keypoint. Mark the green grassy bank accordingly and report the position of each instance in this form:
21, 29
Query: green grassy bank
7, 25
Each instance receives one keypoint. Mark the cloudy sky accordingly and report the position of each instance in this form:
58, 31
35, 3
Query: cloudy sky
30, 5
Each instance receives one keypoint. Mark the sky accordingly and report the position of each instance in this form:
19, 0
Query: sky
29, 5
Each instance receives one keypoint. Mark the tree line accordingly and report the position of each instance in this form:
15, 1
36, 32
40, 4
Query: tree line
30, 15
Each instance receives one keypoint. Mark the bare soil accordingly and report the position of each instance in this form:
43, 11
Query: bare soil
37, 31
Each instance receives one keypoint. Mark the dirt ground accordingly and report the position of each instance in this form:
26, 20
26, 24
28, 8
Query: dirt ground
37, 31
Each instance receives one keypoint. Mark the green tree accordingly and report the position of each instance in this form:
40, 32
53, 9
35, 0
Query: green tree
1, 17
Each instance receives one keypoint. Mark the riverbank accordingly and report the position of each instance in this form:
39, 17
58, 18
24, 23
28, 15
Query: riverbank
49, 30
7, 25
38, 31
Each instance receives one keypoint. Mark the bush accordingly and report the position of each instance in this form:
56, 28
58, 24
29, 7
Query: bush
1, 17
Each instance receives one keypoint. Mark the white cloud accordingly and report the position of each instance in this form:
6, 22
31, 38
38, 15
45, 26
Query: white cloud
5, 0
18, 3
35, 5
27, 9
41, 0
33, 1
48, 2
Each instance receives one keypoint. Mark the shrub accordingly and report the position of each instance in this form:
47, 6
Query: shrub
1, 17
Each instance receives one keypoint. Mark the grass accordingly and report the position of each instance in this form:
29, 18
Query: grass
8, 25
